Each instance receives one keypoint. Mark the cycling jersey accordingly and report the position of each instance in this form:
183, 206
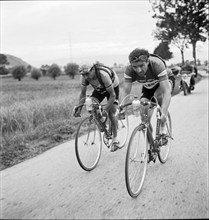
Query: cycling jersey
156, 71
107, 81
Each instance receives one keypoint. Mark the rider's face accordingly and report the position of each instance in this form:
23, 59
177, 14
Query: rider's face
140, 67
89, 75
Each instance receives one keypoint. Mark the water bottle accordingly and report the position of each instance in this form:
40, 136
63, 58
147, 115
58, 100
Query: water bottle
136, 105
88, 103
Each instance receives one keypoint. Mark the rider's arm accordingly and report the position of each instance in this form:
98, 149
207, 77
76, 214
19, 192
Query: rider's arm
82, 94
165, 88
109, 88
164, 85
84, 85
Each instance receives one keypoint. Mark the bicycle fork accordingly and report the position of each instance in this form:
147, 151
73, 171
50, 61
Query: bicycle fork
152, 153
154, 144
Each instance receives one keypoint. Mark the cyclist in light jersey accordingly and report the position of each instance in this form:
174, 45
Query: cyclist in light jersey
151, 71
106, 84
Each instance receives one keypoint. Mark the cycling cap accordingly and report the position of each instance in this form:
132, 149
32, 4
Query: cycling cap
84, 69
138, 55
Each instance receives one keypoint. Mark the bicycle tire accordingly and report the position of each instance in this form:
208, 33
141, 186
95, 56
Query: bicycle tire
185, 89
134, 186
164, 150
88, 151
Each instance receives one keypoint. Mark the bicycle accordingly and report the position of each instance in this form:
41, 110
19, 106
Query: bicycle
88, 140
144, 147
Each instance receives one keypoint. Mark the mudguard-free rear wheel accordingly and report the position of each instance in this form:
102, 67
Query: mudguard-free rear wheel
165, 149
123, 128
88, 144
136, 161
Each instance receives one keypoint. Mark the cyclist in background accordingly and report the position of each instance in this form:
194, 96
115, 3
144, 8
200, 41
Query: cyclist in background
157, 79
190, 69
105, 82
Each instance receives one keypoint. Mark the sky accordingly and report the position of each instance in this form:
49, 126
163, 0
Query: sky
46, 32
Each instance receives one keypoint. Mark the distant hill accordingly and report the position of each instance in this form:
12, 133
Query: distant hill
15, 61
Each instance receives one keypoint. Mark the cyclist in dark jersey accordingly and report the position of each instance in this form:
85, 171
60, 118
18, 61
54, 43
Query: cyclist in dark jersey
190, 70
151, 71
106, 84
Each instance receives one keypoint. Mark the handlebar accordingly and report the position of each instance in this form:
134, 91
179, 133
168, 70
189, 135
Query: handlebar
144, 103
95, 106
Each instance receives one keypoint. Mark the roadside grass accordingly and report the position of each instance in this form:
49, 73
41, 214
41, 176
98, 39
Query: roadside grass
37, 115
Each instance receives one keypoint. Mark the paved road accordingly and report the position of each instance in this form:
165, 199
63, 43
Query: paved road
53, 186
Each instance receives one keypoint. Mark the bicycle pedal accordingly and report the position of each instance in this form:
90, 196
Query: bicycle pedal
163, 142
152, 156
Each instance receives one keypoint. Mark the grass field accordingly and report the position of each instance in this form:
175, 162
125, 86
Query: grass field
36, 115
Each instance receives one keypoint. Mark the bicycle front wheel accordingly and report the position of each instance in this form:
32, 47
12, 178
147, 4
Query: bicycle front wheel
165, 149
136, 161
88, 144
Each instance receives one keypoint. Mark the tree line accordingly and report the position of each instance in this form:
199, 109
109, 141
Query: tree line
20, 71
180, 23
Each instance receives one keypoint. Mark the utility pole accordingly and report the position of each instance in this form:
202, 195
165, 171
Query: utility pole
70, 47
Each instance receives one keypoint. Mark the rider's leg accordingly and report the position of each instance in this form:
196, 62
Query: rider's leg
192, 82
147, 94
113, 120
98, 96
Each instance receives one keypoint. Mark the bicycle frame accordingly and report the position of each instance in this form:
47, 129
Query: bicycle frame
146, 114
103, 125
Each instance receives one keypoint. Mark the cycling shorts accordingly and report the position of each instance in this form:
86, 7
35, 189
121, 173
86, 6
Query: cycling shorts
149, 93
100, 97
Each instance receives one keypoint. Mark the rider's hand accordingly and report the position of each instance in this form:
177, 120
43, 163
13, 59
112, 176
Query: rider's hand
77, 112
120, 108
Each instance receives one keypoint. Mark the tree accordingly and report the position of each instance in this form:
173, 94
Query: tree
35, 73
18, 72
163, 50
178, 40
71, 69
29, 68
3, 70
184, 20
54, 71
44, 69
3, 60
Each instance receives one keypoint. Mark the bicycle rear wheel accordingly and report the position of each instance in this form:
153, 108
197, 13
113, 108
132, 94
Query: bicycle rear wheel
136, 161
88, 144
165, 149
123, 127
